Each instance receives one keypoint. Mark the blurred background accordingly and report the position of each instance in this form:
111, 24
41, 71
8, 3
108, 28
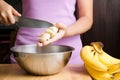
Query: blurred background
106, 28
7, 34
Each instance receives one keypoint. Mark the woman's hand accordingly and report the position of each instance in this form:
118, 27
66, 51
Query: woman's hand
7, 13
60, 34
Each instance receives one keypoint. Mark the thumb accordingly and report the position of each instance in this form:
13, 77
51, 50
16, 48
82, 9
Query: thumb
60, 25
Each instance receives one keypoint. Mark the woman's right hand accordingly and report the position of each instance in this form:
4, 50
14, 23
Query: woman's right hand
7, 13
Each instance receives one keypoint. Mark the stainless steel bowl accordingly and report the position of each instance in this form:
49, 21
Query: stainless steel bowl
45, 60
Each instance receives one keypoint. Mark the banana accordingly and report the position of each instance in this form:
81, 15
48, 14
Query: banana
103, 56
117, 76
108, 60
90, 57
98, 75
44, 37
114, 68
52, 31
49, 33
99, 64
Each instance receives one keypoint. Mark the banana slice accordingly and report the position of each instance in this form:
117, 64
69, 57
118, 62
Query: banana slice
49, 33
52, 31
44, 37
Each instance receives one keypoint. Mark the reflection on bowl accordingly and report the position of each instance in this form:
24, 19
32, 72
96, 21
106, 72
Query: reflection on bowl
45, 60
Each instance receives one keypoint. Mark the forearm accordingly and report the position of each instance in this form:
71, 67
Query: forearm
82, 25
85, 21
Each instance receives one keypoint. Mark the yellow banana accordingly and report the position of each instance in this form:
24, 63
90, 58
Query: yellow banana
99, 64
98, 75
117, 76
114, 68
90, 57
103, 56
107, 59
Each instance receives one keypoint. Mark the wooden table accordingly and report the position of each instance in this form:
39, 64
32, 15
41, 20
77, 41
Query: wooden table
70, 72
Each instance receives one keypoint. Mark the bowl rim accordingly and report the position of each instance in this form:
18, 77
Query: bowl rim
62, 52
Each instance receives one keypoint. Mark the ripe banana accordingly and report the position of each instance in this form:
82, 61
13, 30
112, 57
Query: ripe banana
99, 64
103, 56
114, 68
49, 33
90, 57
117, 76
98, 75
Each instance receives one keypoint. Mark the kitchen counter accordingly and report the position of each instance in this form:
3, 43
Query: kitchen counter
70, 72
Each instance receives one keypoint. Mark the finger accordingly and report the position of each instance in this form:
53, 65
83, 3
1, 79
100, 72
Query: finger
11, 18
4, 18
46, 43
61, 26
15, 13
2, 21
12, 14
39, 44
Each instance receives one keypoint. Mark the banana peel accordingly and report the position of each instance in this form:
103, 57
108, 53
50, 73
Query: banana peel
98, 75
103, 56
114, 69
117, 76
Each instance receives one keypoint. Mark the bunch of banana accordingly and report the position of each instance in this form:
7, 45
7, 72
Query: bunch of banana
49, 33
99, 64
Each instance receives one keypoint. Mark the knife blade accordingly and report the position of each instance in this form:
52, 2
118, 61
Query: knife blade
31, 23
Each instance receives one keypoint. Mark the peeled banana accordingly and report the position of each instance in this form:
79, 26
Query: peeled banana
99, 64
49, 33
44, 37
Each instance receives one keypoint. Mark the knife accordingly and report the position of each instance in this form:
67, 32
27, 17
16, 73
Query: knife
31, 23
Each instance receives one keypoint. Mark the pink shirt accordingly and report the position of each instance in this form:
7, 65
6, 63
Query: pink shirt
53, 11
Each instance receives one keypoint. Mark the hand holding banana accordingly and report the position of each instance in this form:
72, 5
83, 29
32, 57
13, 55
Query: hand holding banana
49, 33
52, 34
99, 64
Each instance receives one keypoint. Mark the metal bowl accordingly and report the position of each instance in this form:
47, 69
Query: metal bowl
45, 60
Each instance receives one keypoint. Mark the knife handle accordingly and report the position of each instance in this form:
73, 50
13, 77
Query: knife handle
16, 18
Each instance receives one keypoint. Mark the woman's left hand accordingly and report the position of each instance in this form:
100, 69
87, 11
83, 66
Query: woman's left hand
59, 35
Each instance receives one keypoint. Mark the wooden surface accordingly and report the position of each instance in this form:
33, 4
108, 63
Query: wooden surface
70, 72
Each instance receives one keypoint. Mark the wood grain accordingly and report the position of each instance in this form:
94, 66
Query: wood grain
70, 72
